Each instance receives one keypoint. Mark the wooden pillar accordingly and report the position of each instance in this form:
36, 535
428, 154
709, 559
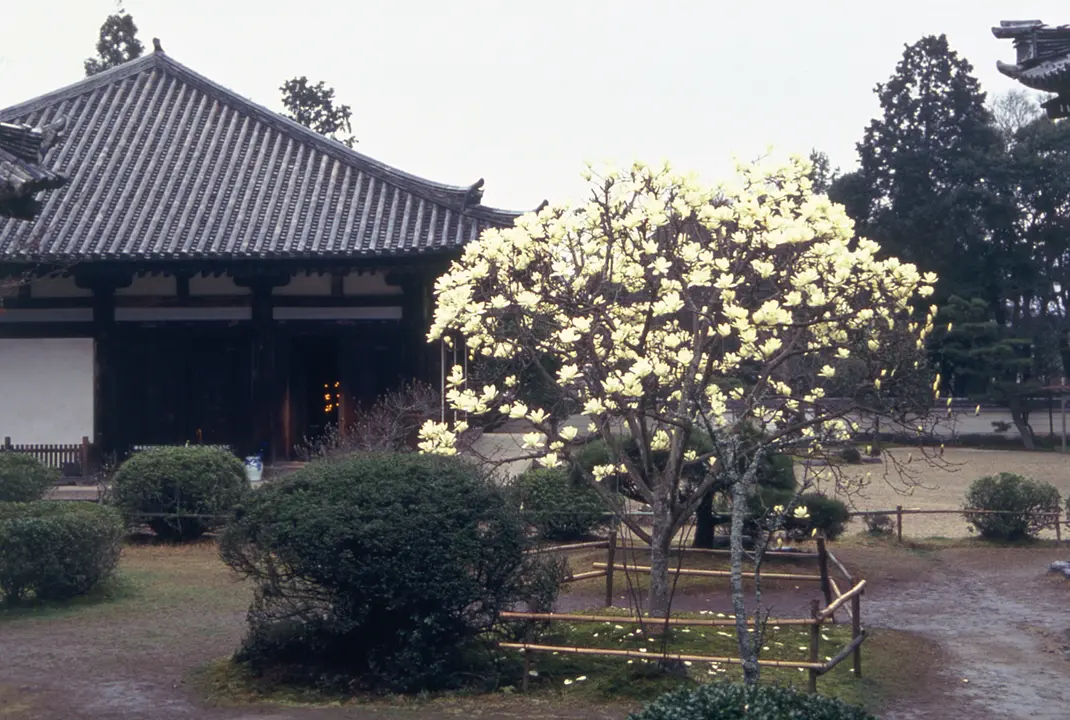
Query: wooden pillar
415, 320
265, 395
815, 647
823, 562
107, 412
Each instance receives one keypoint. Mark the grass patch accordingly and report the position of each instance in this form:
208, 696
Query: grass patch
593, 681
153, 580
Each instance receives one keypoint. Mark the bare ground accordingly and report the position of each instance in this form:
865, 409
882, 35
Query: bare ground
999, 622
917, 482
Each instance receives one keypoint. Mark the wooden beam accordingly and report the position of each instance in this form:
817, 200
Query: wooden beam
717, 573
528, 647
633, 620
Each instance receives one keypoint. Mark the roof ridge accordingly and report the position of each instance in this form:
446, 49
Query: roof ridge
461, 198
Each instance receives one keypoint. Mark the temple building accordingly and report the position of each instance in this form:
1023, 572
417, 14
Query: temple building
212, 271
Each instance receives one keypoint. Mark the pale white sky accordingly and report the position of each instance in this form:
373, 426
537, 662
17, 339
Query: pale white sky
522, 92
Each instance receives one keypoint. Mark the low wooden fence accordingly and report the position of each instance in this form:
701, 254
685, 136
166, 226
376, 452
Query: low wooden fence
71, 460
1055, 519
849, 601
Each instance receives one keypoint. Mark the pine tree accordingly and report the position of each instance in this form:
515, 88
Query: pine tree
314, 107
118, 43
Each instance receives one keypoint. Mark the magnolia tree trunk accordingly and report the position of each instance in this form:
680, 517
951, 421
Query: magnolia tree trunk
660, 546
747, 648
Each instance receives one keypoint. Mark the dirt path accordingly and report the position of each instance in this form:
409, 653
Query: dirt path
1001, 620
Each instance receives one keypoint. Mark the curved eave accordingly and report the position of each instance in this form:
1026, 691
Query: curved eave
1049, 76
463, 198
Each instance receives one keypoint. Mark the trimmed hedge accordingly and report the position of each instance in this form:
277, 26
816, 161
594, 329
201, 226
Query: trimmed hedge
558, 505
56, 550
23, 478
732, 701
381, 571
191, 480
1015, 493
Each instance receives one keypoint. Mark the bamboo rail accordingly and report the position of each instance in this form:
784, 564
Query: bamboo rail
840, 567
594, 544
1054, 516
633, 620
835, 605
842, 654
713, 573
586, 575
526, 647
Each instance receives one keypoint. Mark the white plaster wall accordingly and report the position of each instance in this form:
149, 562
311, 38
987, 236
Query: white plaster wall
213, 285
151, 286
368, 284
46, 390
306, 284
57, 287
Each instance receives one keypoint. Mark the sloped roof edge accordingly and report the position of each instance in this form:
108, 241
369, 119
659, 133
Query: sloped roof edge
465, 199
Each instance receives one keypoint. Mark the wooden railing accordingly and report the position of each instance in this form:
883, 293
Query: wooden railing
1054, 517
835, 600
71, 460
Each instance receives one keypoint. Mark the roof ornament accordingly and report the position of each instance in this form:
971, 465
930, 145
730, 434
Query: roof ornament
1043, 60
474, 195
156, 46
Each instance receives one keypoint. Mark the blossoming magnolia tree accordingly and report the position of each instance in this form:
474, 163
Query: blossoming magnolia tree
670, 309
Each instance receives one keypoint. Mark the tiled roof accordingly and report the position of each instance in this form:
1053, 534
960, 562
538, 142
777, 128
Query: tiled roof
166, 164
21, 177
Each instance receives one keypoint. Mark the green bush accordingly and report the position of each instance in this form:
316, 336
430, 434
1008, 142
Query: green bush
192, 480
55, 550
827, 514
379, 571
729, 701
1017, 494
851, 455
23, 478
560, 506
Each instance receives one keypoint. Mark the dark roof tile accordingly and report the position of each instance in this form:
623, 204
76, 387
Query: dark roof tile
166, 164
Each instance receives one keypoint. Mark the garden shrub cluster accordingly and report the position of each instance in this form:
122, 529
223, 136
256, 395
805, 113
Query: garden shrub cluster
1015, 494
826, 514
23, 478
559, 505
381, 571
56, 550
732, 701
190, 480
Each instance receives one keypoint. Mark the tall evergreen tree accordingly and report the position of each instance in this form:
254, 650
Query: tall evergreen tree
314, 107
924, 189
117, 44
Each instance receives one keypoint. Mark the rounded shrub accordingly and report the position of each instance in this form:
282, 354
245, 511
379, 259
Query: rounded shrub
826, 514
558, 505
56, 550
23, 478
182, 482
729, 701
1017, 498
379, 571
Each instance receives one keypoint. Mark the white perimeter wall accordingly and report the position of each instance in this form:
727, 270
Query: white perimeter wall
46, 390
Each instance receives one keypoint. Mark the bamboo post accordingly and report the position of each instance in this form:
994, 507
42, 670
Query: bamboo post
815, 640
611, 558
529, 635
856, 630
85, 456
899, 522
823, 561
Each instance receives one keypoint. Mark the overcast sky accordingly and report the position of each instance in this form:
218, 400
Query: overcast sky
521, 93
